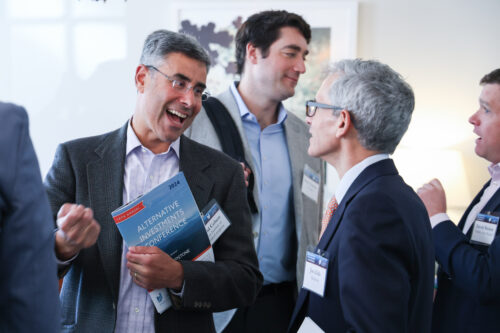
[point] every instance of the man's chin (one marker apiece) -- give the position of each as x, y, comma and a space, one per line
311, 152
287, 94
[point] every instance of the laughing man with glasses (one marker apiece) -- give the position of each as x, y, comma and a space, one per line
106, 284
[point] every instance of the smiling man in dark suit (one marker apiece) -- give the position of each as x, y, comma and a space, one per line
468, 288
373, 268
105, 289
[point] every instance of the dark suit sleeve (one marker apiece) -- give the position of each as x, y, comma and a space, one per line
60, 181
28, 282
475, 272
373, 262
234, 279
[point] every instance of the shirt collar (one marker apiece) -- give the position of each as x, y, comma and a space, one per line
133, 142
244, 112
494, 170
353, 173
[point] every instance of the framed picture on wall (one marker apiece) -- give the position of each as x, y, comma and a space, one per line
214, 24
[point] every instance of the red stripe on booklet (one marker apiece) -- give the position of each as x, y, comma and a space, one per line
129, 213
202, 253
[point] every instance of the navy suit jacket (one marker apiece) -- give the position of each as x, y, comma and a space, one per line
381, 260
468, 295
89, 171
28, 279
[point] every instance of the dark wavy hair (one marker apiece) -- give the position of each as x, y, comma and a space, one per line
263, 29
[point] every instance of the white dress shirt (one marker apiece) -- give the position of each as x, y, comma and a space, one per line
353, 173
143, 171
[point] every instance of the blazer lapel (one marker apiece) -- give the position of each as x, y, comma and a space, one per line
296, 146
105, 177
472, 204
381, 168
494, 204
491, 206
193, 164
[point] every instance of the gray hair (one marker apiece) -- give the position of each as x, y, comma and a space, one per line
379, 101
162, 42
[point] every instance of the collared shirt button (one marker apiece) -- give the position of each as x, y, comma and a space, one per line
137, 310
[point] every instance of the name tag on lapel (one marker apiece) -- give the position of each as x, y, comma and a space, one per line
216, 221
485, 229
310, 183
315, 271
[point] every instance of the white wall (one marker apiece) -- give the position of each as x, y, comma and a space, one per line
71, 63
442, 48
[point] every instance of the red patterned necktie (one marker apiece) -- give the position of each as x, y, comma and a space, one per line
332, 206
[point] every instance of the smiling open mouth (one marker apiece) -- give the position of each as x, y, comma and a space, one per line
176, 115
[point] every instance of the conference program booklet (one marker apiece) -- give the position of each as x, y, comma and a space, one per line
166, 217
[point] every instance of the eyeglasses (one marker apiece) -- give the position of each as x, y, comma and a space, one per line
312, 106
183, 86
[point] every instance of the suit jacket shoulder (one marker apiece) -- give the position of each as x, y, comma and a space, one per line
28, 285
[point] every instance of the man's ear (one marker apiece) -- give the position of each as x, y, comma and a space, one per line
252, 53
140, 77
344, 123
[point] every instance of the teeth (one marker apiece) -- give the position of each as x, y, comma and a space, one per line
178, 114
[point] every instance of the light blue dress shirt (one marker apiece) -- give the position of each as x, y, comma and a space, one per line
143, 171
276, 248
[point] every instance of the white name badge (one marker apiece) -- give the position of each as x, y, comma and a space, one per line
315, 272
485, 229
310, 183
309, 326
161, 300
216, 222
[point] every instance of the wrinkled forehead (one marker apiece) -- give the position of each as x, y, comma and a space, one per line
184, 67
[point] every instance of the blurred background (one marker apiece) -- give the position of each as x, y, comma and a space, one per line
71, 64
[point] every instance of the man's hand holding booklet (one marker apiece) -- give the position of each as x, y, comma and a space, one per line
167, 217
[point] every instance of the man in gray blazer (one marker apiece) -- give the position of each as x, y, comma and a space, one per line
271, 47
28, 282
105, 288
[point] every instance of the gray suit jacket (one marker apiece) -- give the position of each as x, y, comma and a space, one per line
90, 171
307, 212
28, 279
